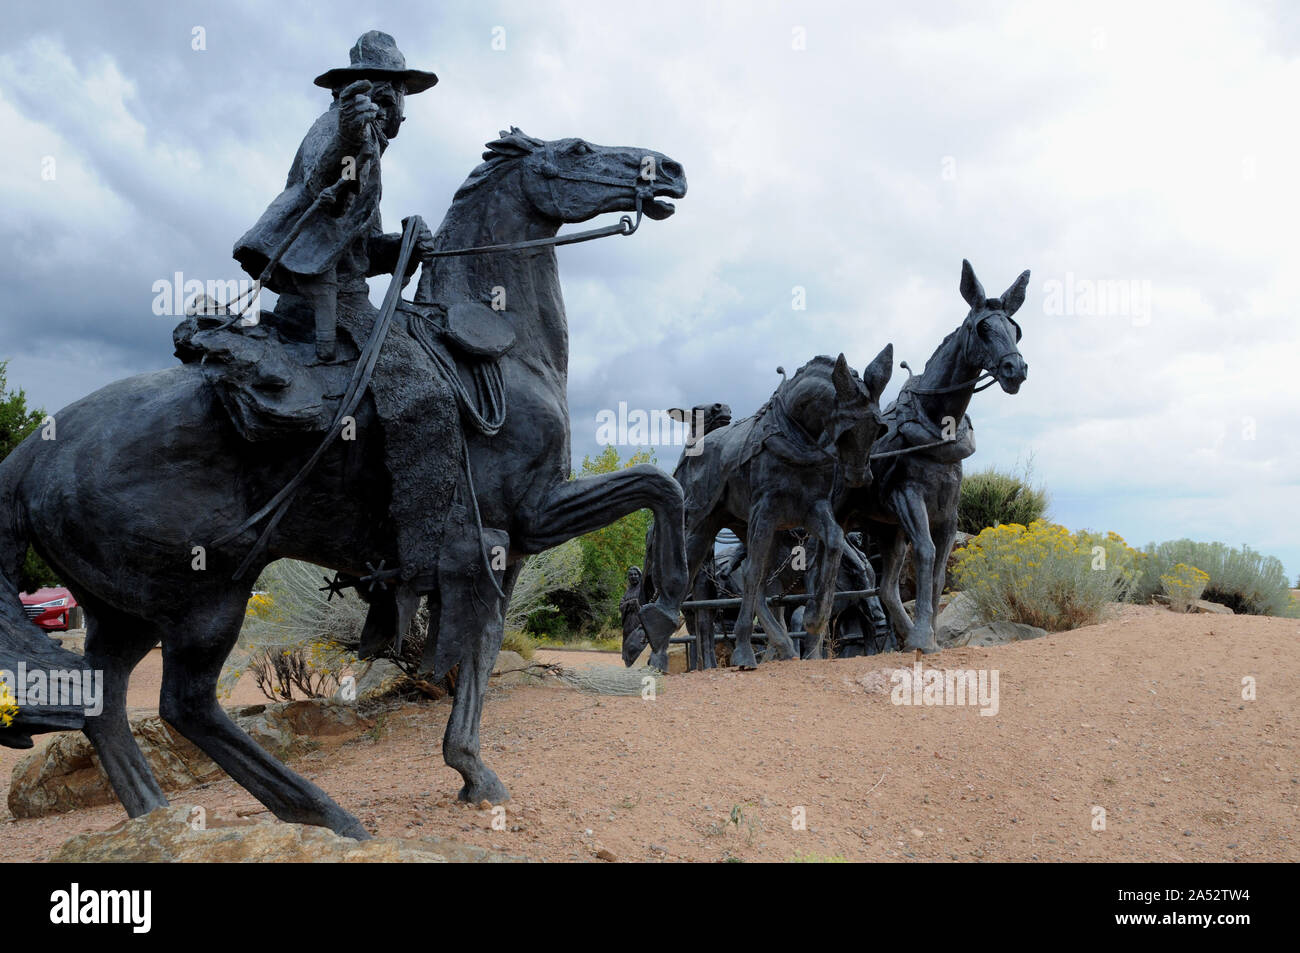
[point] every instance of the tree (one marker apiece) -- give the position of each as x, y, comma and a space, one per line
17, 422
606, 554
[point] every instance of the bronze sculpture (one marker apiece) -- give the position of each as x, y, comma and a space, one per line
781, 469
149, 471
916, 462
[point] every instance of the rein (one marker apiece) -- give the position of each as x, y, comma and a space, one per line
641, 186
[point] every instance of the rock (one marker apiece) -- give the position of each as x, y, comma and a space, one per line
511, 668
677, 659
959, 617
65, 774
1000, 633
1204, 605
945, 600
381, 678
167, 836
606, 854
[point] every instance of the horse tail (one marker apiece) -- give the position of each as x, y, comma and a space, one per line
649, 586
24, 647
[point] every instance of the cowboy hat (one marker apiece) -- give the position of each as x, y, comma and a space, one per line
376, 56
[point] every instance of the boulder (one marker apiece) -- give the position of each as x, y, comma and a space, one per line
511, 668
678, 659
957, 618
1000, 633
180, 834
1218, 608
382, 677
65, 773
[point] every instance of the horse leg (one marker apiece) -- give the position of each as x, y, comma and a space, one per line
708, 649
115, 645
699, 548
914, 520
943, 538
581, 506
758, 558
831, 543
893, 550
192, 658
460, 743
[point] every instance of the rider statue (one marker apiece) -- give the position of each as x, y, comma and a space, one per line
337, 166
320, 239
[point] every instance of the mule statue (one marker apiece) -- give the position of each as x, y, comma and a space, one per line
858, 625
780, 470
917, 460
146, 472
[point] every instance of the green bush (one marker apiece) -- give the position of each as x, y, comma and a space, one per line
589, 604
1245, 581
992, 497
1044, 575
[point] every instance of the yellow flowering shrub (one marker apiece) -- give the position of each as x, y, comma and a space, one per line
8, 706
1044, 575
1183, 584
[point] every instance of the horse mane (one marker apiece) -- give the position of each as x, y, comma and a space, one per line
497, 155
787, 384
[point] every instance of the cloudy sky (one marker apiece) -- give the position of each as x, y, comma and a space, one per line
1140, 158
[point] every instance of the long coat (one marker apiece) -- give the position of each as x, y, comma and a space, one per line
330, 232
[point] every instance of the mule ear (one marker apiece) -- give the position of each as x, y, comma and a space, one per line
1014, 296
842, 378
679, 415
878, 372
971, 289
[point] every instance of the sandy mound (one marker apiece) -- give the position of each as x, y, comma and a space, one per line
1141, 717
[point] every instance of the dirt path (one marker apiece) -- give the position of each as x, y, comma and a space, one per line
1142, 717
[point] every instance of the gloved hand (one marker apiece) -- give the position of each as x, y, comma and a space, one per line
424, 246
356, 111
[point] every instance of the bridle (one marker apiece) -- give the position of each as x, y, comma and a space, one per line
642, 187
967, 330
983, 374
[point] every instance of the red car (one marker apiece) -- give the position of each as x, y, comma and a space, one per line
54, 610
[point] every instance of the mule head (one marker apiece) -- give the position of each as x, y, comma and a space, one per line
855, 422
701, 419
573, 180
992, 336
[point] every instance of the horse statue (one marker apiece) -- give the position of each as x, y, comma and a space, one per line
147, 470
779, 470
916, 463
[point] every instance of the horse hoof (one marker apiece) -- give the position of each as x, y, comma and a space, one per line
351, 827
744, 659
488, 788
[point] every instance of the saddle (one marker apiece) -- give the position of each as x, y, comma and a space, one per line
271, 385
